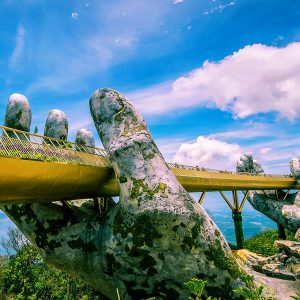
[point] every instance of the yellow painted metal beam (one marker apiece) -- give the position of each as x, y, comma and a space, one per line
227, 200
24, 181
243, 201
201, 198
195, 181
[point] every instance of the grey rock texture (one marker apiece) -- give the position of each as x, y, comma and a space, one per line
18, 114
277, 270
85, 137
285, 264
290, 247
295, 167
276, 288
276, 273
286, 213
148, 244
56, 125
247, 164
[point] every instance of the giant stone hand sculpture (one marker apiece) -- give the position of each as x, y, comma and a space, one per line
148, 244
285, 212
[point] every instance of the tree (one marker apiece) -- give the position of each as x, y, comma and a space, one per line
25, 276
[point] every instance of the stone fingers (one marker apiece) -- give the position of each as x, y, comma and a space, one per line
142, 173
38, 221
285, 213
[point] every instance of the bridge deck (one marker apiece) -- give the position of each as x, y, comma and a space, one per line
40, 169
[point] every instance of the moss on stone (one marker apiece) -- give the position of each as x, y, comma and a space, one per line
18, 115
122, 179
149, 156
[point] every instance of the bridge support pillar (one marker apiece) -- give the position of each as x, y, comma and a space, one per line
236, 209
238, 226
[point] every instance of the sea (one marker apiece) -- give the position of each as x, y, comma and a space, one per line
254, 222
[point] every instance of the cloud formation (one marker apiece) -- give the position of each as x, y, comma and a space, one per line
74, 15
255, 79
265, 150
19, 47
210, 153
219, 8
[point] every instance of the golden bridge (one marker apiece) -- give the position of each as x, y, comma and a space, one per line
36, 168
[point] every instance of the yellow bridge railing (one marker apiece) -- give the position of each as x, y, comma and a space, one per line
25, 145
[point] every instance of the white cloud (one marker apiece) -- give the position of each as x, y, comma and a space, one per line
19, 48
220, 8
267, 143
210, 153
255, 79
178, 1
74, 15
265, 150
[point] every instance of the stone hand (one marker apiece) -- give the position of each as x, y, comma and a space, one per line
285, 210
149, 243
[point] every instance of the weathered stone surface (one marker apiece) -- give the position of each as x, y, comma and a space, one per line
56, 125
268, 271
295, 268
247, 164
284, 265
295, 167
277, 270
285, 213
291, 247
248, 258
85, 138
275, 288
148, 244
18, 114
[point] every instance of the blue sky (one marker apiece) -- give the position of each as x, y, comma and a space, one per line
227, 71
213, 78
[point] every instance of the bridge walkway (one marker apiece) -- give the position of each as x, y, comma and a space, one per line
36, 168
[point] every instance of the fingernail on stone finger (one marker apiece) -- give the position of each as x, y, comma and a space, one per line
56, 125
85, 137
18, 114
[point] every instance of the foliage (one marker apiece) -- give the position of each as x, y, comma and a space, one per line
250, 291
263, 243
196, 287
24, 275
247, 292
15, 241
